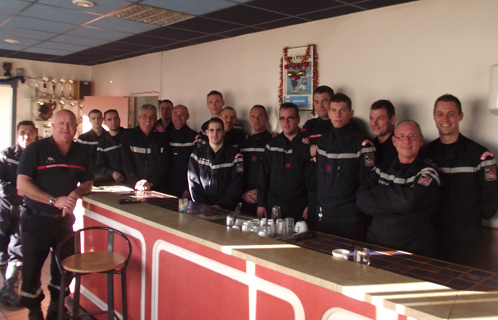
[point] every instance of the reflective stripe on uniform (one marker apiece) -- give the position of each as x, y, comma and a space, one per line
277, 149
13, 161
205, 162
32, 296
87, 142
142, 150
108, 149
252, 150
468, 169
176, 144
345, 155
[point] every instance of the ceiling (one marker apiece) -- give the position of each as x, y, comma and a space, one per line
59, 31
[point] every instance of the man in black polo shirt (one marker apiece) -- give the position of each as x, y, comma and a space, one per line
48, 175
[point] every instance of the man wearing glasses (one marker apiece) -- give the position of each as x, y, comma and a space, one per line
470, 188
402, 197
281, 179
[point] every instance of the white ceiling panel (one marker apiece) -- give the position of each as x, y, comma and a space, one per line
37, 24
65, 38
101, 6
195, 7
13, 6
15, 33
95, 33
55, 52
51, 13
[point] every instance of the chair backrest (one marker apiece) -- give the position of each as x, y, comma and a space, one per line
91, 237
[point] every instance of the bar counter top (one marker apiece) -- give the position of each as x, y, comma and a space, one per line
380, 284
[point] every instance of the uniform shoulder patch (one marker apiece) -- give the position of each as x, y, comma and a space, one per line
486, 154
424, 180
490, 173
369, 159
367, 142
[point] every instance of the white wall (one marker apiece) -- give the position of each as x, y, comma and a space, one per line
409, 53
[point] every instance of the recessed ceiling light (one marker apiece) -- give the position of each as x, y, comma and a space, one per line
83, 3
12, 41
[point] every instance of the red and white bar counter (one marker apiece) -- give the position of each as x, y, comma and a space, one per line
183, 267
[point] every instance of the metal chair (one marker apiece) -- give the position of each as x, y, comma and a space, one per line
106, 261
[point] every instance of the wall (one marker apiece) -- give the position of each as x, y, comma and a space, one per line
409, 53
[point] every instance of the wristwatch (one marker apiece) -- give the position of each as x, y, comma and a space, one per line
52, 201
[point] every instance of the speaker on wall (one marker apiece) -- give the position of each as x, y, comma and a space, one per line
82, 89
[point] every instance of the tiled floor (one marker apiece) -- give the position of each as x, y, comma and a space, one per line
13, 313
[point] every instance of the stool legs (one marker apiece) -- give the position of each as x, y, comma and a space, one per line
76, 296
124, 294
62, 295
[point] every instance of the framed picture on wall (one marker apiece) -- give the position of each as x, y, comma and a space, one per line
298, 75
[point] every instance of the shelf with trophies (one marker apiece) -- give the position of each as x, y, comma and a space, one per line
52, 95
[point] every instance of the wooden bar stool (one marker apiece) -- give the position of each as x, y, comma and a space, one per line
99, 260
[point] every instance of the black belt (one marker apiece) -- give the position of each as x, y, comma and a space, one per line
44, 214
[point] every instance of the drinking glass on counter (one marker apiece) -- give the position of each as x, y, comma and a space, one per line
276, 213
288, 226
279, 227
182, 205
361, 255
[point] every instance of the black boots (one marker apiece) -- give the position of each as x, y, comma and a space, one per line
53, 311
9, 294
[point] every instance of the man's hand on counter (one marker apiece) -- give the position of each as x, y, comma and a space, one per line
261, 212
143, 185
118, 177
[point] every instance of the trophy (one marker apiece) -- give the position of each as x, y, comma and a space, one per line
54, 83
44, 92
62, 103
70, 89
37, 88
63, 82
7, 67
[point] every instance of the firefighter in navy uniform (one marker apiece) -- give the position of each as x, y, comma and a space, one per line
144, 153
312, 130
109, 148
470, 186
344, 157
182, 141
52, 174
253, 150
91, 138
382, 119
281, 179
10, 201
215, 170
233, 136
402, 197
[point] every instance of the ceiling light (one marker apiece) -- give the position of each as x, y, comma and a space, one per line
12, 41
151, 15
83, 3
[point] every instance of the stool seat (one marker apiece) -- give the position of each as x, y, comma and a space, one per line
101, 254
94, 261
